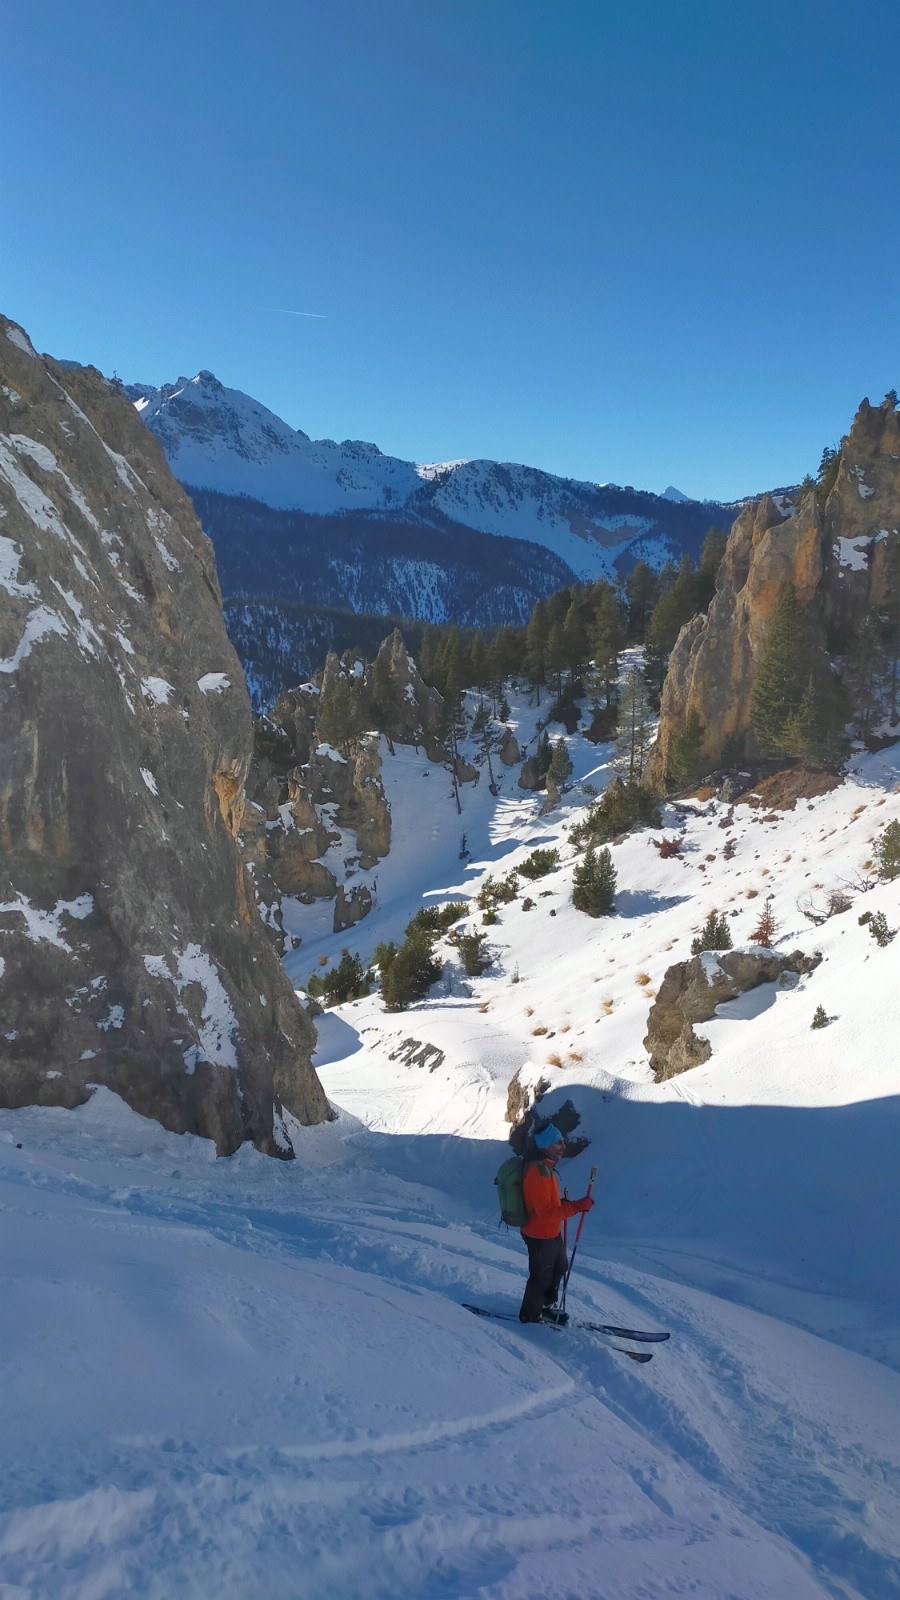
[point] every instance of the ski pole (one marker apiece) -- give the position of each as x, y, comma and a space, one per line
577, 1237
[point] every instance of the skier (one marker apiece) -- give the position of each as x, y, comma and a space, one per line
542, 1232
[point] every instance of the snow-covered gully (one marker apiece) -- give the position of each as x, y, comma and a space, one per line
243, 1377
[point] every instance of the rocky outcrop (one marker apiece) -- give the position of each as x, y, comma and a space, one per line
833, 553
509, 751
131, 950
351, 908
553, 795
305, 799
862, 512
409, 710
691, 991
350, 788
293, 720
530, 777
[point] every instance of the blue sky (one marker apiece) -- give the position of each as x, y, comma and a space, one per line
652, 242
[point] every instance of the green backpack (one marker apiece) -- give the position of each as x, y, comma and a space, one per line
509, 1192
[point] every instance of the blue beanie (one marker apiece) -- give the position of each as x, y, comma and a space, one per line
547, 1136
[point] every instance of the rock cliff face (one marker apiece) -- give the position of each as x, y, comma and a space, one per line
315, 814
131, 952
833, 553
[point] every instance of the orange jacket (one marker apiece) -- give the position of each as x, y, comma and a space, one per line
546, 1210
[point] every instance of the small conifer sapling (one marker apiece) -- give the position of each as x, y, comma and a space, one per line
766, 930
714, 935
594, 884
887, 852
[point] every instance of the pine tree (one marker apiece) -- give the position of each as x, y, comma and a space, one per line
881, 933
710, 562
826, 477
561, 766
480, 662
865, 669
507, 652
383, 694
685, 754
714, 935
452, 729
605, 644
556, 655
766, 930
450, 664
339, 719
642, 592
347, 981
594, 884
576, 634
654, 673
428, 653
536, 635
812, 730
407, 971
543, 754
674, 608
889, 611
887, 852
635, 734
782, 673
486, 736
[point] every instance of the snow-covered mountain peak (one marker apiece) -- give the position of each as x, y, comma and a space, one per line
437, 471
221, 439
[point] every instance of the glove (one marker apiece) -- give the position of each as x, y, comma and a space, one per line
583, 1205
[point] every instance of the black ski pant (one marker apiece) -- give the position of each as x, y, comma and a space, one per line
546, 1269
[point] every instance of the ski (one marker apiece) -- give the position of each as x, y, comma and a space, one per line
606, 1329
639, 1334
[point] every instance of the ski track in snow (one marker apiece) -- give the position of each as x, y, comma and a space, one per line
248, 1377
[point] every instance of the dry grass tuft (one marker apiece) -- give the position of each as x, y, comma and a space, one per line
323, 961
537, 1031
485, 1005
553, 1060
575, 1055
529, 1011
751, 894
643, 978
608, 1005
566, 1028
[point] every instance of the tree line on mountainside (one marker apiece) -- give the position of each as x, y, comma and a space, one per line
814, 689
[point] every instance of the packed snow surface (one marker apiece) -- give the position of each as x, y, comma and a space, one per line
243, 1378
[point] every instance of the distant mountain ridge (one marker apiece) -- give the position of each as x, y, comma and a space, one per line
221, 440
309, 530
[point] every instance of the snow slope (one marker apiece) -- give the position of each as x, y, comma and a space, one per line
239, 1378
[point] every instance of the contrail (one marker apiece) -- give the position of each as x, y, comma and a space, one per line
322, 315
